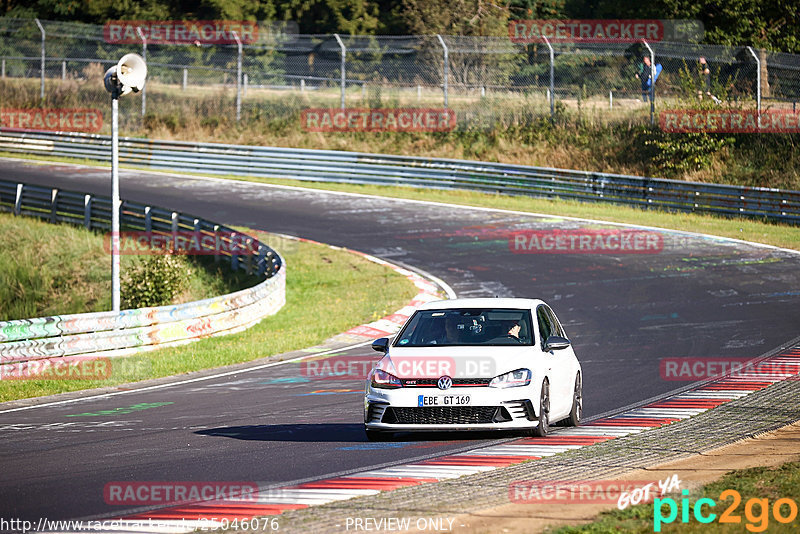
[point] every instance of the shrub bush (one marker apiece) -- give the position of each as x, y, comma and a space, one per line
155, 281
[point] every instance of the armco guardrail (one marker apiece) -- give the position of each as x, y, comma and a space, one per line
112, 334
359, 168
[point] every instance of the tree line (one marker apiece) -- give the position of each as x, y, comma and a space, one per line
769, 24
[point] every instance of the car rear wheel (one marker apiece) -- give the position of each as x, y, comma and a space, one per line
574, 418
544, 411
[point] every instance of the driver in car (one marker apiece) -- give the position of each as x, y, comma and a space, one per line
514, 329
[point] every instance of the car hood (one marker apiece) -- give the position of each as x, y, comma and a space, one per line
457, 362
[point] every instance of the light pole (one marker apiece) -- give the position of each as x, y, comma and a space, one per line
127, 75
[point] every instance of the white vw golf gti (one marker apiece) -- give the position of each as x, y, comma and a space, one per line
475, 364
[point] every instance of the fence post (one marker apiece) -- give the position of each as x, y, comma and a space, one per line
144, 57
53, 205
445, 69
18, 200
758, 82
63, 70
652, 83
4, 68
185, 78
41, 29
87, 211
238, 77
552, 92
244, 84
343, 83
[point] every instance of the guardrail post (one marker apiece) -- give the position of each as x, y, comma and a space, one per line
87, 211
652, 83
445, 69
552, 92
174, 223
758, 82
249, 256
261, 264
41, 29
343, 82
238, 77
148, 219
217, 244
18, 200
53, 205
234, 258
144, 57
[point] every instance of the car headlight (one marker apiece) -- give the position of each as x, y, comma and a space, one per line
520, 377
383, 380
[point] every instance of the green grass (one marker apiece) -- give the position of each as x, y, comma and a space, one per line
58, 269
328, 291
756, 483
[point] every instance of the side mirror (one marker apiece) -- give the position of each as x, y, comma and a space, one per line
554, 343
381, 344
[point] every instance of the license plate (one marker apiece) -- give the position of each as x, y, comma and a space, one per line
443, 400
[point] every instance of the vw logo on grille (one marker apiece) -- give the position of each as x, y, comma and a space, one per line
445, 382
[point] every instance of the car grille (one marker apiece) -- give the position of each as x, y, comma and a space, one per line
457, 382
446, 415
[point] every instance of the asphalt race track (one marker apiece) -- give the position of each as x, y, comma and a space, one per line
695, 297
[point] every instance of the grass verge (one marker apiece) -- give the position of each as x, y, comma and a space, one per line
327, 291
59, 269
764, 485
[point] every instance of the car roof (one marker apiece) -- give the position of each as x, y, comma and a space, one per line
513, 303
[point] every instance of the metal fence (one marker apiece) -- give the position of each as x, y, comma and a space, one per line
135, 330
481, 78
360, 168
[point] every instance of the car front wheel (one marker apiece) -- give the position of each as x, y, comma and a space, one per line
574, 418
544, 411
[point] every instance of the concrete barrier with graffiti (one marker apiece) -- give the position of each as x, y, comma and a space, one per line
130, 331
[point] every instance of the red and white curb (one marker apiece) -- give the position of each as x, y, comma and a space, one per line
271, 502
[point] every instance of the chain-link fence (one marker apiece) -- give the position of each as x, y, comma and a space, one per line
482, 79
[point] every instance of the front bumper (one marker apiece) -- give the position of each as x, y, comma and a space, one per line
488, 409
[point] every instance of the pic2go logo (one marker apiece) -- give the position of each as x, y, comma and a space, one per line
756, 511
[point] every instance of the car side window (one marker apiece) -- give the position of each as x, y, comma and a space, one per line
544, 325
557, 329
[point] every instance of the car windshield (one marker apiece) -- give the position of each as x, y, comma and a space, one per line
495, 326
